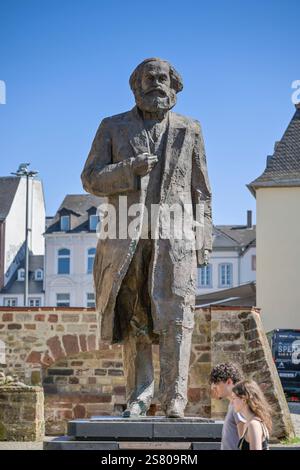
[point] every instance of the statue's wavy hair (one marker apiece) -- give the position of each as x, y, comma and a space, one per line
135, 77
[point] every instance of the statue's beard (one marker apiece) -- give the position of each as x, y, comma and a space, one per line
161, 100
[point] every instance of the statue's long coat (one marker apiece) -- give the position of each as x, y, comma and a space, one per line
108, 172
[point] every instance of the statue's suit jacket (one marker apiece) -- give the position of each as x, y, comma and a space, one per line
108, 172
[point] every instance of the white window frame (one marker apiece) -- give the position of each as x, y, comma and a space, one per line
91, 217
61, 301
209, 284
59, 256
91, 300
90, 255
226, 285
37, 301
21, 274
36, 277
62, 219
7, 301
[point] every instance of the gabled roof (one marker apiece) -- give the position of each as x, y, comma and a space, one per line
237, 235
221, 240
283, 167
34, 287
8, 189
78, 205
35, 262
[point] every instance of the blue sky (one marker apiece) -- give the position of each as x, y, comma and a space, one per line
66, 65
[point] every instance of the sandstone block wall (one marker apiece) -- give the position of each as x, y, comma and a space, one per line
82, 377
21, 414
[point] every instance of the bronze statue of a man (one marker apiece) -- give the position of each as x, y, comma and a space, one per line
145, 285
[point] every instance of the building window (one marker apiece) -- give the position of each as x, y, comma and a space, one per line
225, 275
94, 219
253, 262
10, 302
63, 300
90, 299
21, 274
63, 261
90, 259
38, 275
34, 302
65, 223
205, 276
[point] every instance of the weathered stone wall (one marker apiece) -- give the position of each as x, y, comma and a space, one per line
37, 337
85, 385
60, 349
21, 414
237, 335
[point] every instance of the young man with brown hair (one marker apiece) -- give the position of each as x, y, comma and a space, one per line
223, 377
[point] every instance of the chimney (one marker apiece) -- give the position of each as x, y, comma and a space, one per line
249, 219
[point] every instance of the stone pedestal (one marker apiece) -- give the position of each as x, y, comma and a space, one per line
109, 433
21, 414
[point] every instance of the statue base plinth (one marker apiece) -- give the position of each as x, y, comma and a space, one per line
112, 433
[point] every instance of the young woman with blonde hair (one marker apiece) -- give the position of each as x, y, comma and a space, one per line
249, 400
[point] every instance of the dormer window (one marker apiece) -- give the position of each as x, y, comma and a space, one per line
64, 223
38, 275
94, 219
21, 274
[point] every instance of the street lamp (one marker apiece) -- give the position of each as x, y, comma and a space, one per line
23, 171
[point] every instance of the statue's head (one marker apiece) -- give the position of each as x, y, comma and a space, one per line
155, 84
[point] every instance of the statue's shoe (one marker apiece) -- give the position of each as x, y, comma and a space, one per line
175, 409
135, 409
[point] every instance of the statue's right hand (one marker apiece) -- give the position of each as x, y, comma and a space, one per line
144, 163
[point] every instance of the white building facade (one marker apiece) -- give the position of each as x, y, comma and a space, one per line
277, 193
12, 239
68, 266
70, 247
233, 260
